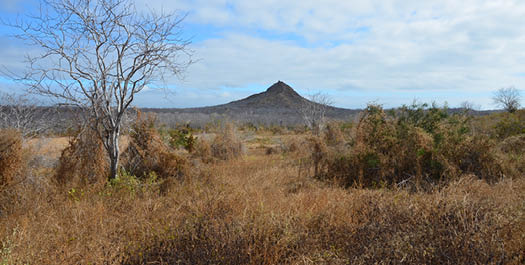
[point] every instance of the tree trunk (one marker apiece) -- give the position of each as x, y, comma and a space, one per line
114, 153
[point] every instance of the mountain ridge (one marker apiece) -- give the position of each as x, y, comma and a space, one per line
278, 98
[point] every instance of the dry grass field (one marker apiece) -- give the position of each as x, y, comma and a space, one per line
263, 197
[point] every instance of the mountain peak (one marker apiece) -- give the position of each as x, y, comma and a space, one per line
280, 87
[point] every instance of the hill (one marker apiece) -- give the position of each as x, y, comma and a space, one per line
280, 104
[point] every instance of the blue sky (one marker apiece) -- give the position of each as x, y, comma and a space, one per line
387, 51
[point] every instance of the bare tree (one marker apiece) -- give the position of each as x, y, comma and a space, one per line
314, 111
24, 114
507, 98
469, 107
98, 54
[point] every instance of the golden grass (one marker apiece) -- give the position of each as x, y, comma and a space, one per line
260, 210
52, 147
268, 205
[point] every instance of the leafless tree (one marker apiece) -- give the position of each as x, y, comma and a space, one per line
314, 111
98, 54
469, 107
507, 98
24, 114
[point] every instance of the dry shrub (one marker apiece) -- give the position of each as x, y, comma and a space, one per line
246, 214
319, 154
227, 144
429, 148
513, 154
83, 161
210, 239
514, 144
291, 145
473, 155
272, 150
333, 135
148, 153
12, 161
203, 150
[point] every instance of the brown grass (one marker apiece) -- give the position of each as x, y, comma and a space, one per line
12, 161
263, 209
261, 212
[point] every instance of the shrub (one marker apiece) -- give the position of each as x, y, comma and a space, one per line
182, 136
513, 155
514, 144
333, 134
319, 154
417, 145
84, 160
11, 156
421, 115
511, 124
227, 144
203, 151
291, 145
147, 152
271, 150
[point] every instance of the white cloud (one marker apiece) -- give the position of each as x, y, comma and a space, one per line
386, 49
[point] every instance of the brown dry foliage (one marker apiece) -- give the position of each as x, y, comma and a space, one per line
513, 155
227, 144
333, 135
319, 154
514, 144
291, 145
202, 150
260, 211
272, 150
247, 214
83, 161
148, 153
387, 152
12, 160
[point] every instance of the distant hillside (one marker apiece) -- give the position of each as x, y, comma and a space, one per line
280, 104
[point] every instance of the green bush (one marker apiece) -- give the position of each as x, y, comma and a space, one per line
418, 143
183, 137
511, 124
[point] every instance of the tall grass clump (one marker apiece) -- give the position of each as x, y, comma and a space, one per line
147, 153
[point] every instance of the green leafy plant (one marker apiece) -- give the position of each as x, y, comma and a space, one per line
183, 136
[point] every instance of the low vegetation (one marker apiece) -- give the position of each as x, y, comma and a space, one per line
416, 185
420, 144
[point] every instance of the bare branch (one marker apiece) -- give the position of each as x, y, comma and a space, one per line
97, 54
314, 111
24, 114
507, 98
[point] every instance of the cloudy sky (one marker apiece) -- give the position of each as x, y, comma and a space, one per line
387, 51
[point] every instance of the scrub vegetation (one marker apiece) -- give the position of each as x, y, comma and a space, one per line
414, 185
